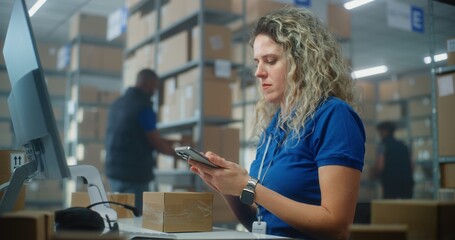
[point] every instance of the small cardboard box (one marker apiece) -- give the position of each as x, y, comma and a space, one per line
78, 235
378, 231
446, 115
451, 52
88, 25
27, 225
178, 211
425, 219
81, 199
447, 175
5, 176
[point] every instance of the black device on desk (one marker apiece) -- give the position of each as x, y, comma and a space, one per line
85, 219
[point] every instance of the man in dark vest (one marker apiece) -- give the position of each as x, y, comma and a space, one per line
394, 164
132, 138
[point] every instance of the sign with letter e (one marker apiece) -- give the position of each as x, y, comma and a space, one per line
406, 17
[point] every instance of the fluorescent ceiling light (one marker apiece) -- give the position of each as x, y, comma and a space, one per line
369, 71
437, 58
35, 7
356, 3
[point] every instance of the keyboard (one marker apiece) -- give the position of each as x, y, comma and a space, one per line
134, 232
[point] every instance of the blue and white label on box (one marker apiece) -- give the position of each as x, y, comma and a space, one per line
405, 17
302, 3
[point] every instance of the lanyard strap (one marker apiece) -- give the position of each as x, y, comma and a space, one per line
262, 162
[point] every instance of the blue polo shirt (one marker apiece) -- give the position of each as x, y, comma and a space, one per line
147, 120
334, 136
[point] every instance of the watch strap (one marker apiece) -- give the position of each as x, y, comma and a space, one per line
252, 183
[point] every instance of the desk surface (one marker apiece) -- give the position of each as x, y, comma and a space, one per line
217, 233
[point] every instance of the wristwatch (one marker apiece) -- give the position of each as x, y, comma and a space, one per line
247, 195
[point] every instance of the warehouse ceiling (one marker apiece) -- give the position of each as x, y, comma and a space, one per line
372, 43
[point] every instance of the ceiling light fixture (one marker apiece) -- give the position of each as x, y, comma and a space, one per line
369, 71
35, 7
437, 58
356, 3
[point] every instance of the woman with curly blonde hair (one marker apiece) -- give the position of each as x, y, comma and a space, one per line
305, 180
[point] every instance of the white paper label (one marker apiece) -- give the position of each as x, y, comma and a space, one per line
445, 85
222, 68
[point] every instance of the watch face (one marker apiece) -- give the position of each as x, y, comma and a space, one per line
247, 197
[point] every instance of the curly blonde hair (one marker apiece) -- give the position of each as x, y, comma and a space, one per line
316, 68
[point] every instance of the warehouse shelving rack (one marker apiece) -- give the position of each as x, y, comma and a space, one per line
194, 124
438, 159
79, 77
75, 79
435, 71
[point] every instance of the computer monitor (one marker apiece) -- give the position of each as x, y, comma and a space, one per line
30, 108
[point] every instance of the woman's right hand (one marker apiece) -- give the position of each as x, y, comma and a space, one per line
229, 178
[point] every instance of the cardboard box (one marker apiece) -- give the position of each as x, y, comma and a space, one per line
178, 211
131, 3
255, 8
339, 21
27, 225
86, 236
370, 151
107, 97
425, 219
83, 24
451, 52
141, 25
389, 112
367, 91
389, 90
103, 113
224, 141
217, 42
87, 119
419, 107
56, 86
172, 12
370, 131
173, 52
213, 91
415, 86
5, 85
45, 191
422, 149
378, 231
87, 94
445, 114
367, 111
81, 199
96, 57
177, 10
140, 59
48, 55
92, 154
5, 176
421, 128
4, 109
447, 175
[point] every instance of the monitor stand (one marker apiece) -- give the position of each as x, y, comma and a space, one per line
95, 189
14, 186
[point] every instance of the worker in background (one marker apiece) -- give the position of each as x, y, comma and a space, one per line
393, 165
304, 182
132, 138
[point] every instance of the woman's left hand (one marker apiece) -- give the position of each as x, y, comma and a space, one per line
229, 178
